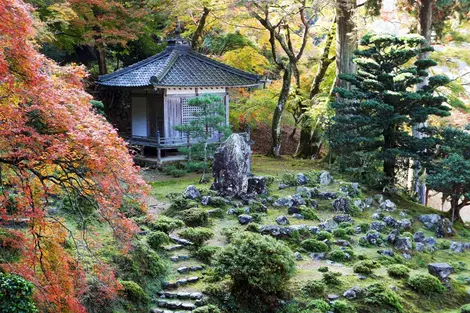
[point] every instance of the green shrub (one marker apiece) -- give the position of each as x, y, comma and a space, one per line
459, 266
195, 217
166, 224
379, 298
197, 235
365, 266
255, 261
205, 254
320, 305
135, 294
323, 269
308, 213
253, 227
398, 271
217, 212
364, 227
332, 278
217, 201
340, 233
157, 239
345, 225
229, 232
314, 288
443, 244
465, 308
322, 235
132, 208
340, 306
337, 256
350, 230
207, 309
312, 245
426, 284
289, 179
16, 294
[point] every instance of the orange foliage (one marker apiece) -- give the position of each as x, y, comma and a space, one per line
52, 143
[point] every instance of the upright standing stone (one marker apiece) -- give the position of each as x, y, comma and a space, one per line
231, 166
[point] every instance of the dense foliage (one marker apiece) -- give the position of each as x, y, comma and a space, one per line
16, 295
371, 128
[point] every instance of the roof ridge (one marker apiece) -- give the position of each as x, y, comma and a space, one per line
223, 66
131, 67
168, 64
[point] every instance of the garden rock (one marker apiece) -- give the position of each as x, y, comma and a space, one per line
245, 219
304, 192
419, 236
404, 224
430, 241
231, 166
325, 178
403, 243
440, 270
282, 220
298, 216
376, 216
205, 200
257, 185
191, 192
352, 293
302, 179
328, 225
283, 186
317, 256
386, 252
343, 218
377, 226
457, 247
388, 206
429, 220
284, 202
293, 210
419, 247
390, 221
327, 195
298, 256
373, 238
341, 204
444, 228
392, 236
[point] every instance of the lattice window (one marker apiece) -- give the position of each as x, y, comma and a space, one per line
188, 111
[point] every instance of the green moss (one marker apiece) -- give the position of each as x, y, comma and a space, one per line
332, 278
322, 235
425, 284
398, 271
314, 288
194, 217
197, 235
337, 256
135, 294
319, 305
365, 266
312, 245
157, 239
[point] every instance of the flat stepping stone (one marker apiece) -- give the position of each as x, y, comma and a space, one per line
180, 241
180, 282
179, 258
175, 247
187, 269
176, 305
180, 295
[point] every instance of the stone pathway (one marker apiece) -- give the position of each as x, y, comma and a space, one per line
180, 294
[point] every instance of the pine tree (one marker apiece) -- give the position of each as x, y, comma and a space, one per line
373, 121
208, 121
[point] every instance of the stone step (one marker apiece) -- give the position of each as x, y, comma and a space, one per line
179, 258
187, 269
175, 247
180, 295
157, 310
180, 282
176, 305
180, 241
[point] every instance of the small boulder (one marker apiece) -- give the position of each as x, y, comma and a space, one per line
429, 220
386, 252
293, 210
419, 236
419, 246
282, 220
284, 202
377, 225
327, 195
376, 216
390, 221
403, 243
298, 216
283, 186
298, 256
457, 247
325, 178
245, 219
305, 192
341, 204
257, 185
205, 200
373, 238
302, 179
328, 225
404, 224
388, 206
191, 192
343, 218
440, 270
444, 228
392, 236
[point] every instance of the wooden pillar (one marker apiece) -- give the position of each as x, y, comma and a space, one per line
226, 107
159, 151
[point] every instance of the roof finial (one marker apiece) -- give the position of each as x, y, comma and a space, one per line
178, 30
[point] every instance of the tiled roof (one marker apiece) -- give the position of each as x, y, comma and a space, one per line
178, 66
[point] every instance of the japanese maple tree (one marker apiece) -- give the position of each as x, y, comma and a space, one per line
53, 145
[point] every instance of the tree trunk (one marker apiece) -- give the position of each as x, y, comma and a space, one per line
389, 161
278, 111
346, 40
200, 27
424, 28
309, 141
103, 69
